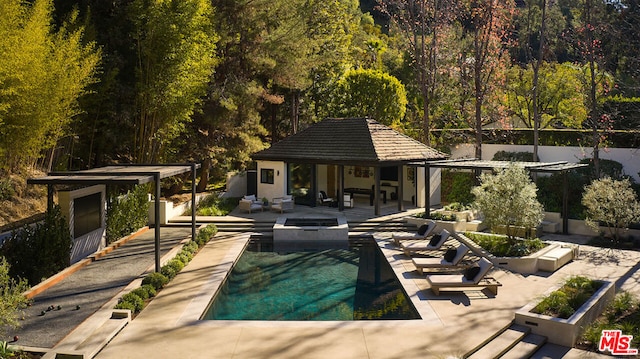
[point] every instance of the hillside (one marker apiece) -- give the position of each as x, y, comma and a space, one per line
26, 202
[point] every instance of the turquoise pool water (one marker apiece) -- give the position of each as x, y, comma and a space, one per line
354, 283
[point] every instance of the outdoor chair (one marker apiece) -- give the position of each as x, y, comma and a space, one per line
282, 203
324, 199
474, 277
435, 242
422, 233
249, 206
450, 259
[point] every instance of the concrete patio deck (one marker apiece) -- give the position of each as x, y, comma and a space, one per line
452, 324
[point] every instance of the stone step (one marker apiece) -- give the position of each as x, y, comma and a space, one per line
501, 343
526, 347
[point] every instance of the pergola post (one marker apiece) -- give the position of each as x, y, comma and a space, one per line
376, 190
340, 187
156, 178
427, 190
193, 201
565, 203
400, 193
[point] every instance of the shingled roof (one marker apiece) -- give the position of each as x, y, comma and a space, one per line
349, 141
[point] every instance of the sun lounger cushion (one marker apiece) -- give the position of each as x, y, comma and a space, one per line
450, 254
471, 272
423, 229
434, 240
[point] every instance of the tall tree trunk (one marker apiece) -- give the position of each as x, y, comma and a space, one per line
536, 75
204, 175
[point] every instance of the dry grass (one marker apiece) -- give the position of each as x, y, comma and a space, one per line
27, 202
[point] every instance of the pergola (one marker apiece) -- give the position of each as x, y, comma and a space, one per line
549, 167
125, 174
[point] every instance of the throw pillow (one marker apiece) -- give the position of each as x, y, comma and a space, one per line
434, 240
423, 229
471, 272
450, 254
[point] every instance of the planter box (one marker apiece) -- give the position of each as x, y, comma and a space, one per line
451, 226
565, 332
520, 231
549, 258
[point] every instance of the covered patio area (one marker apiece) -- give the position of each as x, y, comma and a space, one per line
346, 158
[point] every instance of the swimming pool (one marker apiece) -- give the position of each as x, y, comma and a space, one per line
328, 284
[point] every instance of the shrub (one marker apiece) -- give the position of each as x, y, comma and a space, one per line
513, 156
498, 245
11, 298
169, 272
41, 250
126, 305
157, 280
127, 213
205, 234
7, 190
563, 302
214, 205
456, 186
623, 313
151, 291
613, 203
135, 300
141, 292
508, 199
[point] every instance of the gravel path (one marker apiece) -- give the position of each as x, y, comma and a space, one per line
90, 288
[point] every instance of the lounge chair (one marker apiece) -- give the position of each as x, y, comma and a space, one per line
474, 277
435, 242
282, 203
450, 259
422, 233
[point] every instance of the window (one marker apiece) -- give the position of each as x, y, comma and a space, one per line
266, 176
86, 214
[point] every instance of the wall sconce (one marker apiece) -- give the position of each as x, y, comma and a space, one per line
277, 172
351, 170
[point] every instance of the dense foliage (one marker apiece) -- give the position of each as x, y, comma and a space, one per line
11, 298
41, 250
85, 83
127, 213
623, 313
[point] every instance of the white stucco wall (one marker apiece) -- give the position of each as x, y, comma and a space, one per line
279, 186
628, 157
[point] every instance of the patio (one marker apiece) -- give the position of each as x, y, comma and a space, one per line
170, 325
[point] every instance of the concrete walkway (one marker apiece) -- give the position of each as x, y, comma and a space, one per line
90, 288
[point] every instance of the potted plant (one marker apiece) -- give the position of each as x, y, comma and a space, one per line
265, 201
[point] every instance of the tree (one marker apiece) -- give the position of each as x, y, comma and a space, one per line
613, 203
42, 76
421, 22
560, 99
175, 44
589, 29
371, 93
487, 23
508, 198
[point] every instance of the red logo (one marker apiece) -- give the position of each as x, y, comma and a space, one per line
616, 343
